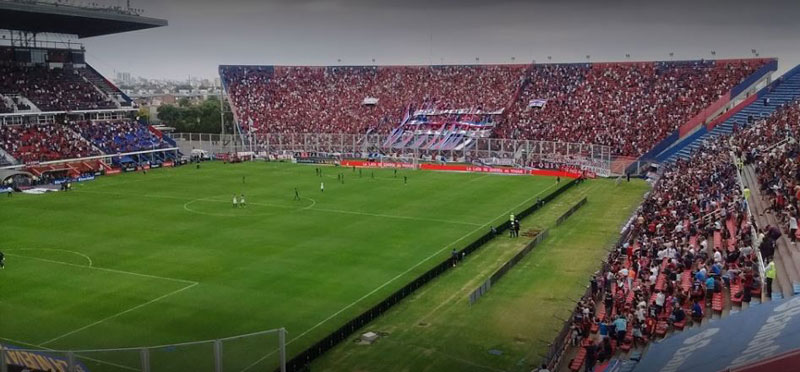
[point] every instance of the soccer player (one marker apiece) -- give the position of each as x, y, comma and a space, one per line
242, 179
322, 187
296, 194
242, 203
373, 175
405, 180
235, 201
2, 261
395, 173
359, 172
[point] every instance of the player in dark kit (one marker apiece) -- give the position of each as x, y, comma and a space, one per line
2, 261
296, 194
405, 180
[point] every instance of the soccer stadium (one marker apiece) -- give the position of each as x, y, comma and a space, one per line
629, 215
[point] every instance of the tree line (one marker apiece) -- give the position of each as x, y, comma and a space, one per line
202, 117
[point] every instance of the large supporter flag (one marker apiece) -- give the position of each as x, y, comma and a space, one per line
537, 103
761, 338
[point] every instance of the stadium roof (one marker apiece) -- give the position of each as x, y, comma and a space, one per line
761, 338
64, 19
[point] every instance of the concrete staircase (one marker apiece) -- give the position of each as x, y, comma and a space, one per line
787, 257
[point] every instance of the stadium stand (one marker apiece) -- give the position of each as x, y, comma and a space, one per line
57, 89
4, 107
35, 143
332, 99
690, 253
629, 106
120, 136
770, 153
693, 232
782, 91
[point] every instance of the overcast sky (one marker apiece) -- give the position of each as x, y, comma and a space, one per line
203, 33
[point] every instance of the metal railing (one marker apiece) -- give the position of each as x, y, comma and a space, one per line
596, 158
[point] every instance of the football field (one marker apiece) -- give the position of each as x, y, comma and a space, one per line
164, 257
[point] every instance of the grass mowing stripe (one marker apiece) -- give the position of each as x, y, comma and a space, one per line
502, 215
515, 314
309, 207
137, 307
281, 268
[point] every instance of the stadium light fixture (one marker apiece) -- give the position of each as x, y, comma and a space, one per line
549, 58
627, 55
713, 52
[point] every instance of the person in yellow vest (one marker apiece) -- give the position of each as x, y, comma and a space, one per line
740, 164
770, 274
746, 193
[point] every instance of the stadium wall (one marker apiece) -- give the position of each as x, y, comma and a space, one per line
302, 360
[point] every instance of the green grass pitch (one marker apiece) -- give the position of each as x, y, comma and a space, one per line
159, 258
508, 329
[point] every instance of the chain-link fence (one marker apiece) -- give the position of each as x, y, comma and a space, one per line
494, 151
260, 351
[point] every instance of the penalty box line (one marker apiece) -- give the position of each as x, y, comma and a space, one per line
399, 276
189, 284
137, 307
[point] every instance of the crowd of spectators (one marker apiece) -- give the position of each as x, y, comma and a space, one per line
119, 136
331, 99
56, 89
690, 240
772, 147
4, 107
35, 143
628, 106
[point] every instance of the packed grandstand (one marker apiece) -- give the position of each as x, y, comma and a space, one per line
715, 235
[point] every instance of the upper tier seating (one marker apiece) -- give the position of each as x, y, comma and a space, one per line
52, 89
628, 106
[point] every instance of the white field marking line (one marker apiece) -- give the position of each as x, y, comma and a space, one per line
400, 275
479, 177
119, 314
105, 269
23, 343
89, 259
